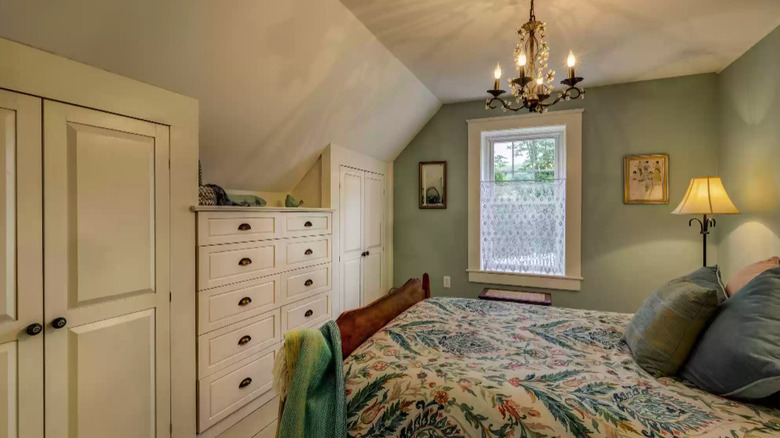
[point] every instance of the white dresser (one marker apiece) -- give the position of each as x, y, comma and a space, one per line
261, 272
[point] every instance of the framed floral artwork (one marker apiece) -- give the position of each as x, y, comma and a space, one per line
646, 179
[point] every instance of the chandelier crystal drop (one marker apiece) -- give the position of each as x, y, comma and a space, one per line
533, 87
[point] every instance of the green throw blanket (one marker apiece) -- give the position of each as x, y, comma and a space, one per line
312, 395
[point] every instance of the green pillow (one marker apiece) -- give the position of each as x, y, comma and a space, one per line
664, 330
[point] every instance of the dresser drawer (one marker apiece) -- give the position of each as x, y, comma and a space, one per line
226, 346
303, 283
228, 390
306, 313
306, 252
225, 305
234, 227
225, 264
306, 224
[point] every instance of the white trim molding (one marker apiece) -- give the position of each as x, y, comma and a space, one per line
479, 132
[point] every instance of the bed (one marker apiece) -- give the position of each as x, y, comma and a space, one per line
449, 367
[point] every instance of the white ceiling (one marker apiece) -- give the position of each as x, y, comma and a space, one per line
453, 45
277, 80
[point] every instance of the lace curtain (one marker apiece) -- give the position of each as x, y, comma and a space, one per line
523, 227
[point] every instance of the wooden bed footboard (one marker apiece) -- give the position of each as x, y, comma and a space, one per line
357, 325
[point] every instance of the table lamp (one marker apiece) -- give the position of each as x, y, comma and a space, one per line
705, 196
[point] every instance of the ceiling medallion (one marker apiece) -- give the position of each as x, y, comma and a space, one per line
534, 85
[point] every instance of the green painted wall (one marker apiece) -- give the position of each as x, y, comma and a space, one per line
628, 251
749, 158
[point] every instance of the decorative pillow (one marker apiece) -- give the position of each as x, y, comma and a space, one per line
709, 277
739, 354
663, 331
744, 275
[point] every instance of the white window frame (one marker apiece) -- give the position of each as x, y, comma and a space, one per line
482, 133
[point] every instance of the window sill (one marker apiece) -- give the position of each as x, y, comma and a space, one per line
529, 280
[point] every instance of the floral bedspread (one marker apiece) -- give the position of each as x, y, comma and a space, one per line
452, 367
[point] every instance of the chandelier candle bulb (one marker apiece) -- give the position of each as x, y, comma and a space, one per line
497, 74
571, 61
521, 61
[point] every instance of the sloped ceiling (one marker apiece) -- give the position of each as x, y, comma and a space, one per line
277, 80
453, 45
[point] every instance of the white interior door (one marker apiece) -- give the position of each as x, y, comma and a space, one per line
21, 276
350, 232
106, 284
373, 236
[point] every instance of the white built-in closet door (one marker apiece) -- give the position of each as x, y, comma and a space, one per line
106, 275
351, 220
373, 236
21, 277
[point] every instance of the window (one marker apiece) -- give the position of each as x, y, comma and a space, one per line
525, 158
524, 201
523, 208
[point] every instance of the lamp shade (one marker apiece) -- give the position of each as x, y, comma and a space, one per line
706, 196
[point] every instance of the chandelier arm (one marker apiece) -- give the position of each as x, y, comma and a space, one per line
563, 95
504, 104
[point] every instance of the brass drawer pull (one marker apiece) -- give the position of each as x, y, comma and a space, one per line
244, 227
245, 261
244, 383
244, 301
244, 340
308, 313
308, 224
308, 283
308, 252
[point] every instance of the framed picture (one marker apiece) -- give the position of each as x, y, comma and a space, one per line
646, 179
433, 184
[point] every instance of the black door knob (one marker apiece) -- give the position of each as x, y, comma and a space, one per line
34, 329
59, 323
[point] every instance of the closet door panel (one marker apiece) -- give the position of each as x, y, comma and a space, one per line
106, 273
111, 204
8, 390
21, 285
351, 235
112, 390
9, 300
373, 236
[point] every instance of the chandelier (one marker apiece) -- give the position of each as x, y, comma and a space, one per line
533, 86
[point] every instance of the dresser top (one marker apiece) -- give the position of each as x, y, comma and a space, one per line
223, 208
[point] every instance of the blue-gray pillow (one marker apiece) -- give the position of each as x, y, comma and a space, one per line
709, 277
663, 331
739, 354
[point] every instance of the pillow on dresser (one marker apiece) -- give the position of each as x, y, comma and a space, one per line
663, 331
739, 354
744, 275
